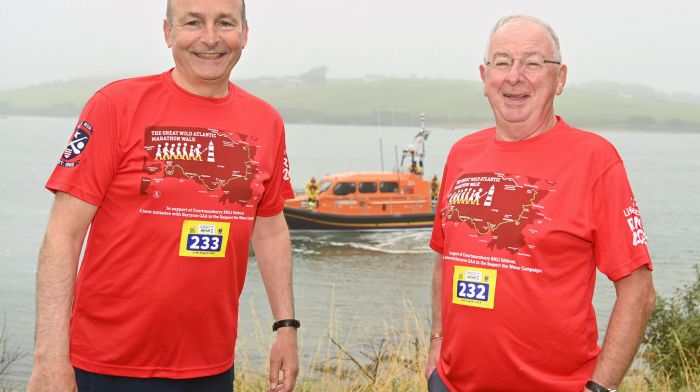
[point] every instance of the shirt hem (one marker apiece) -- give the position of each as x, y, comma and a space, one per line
74, 191
444, 380
267, 212
147, 372
630, 267
434, 246
272, 211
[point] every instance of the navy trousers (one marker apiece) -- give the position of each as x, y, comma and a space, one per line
93, 382
435, 383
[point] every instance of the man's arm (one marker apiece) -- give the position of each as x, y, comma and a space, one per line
274, 255
58, 263
435, 342
634, 304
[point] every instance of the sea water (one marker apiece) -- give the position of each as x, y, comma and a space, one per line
353, 286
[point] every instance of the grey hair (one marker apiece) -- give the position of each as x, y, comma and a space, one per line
519, 17
169, 11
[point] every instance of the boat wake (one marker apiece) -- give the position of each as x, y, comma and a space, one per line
388, 242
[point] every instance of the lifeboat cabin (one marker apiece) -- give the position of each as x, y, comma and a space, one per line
364, 201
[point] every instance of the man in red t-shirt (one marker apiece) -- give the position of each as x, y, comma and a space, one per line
174, 175
527, 211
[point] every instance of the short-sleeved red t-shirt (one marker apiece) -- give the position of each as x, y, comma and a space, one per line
522, 227
178, 179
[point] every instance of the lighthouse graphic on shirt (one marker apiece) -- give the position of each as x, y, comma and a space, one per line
497, 205
216, 160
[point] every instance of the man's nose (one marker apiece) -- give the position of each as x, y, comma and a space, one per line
515, 73
210, 36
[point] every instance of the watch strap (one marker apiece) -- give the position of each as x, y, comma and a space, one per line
595, 387
285, 323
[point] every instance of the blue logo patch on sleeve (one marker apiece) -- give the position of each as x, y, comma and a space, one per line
76, 145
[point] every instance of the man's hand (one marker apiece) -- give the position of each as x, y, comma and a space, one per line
284, 359
433, 356
54, 377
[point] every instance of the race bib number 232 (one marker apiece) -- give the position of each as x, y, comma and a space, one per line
474, 287
204, 239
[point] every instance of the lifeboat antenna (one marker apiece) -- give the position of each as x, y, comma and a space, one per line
420, 139
396, 157
416, 151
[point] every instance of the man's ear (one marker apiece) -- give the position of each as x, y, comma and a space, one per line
167, 33
562, 79
482, 73
244, 41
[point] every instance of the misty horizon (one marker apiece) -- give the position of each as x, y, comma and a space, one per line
622, 42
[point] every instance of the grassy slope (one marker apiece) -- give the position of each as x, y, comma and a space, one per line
387, 101
438, 97
50, 95
609, 109
463, 102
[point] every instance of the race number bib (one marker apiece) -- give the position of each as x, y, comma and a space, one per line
204, 239
474, 287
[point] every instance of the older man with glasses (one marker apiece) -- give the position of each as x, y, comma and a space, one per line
528, 210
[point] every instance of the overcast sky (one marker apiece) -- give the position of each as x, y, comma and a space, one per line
631, 41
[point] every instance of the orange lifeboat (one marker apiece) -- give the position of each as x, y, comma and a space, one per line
365, 201
368, 200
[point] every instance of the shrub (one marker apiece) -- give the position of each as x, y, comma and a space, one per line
673, 338
9, 354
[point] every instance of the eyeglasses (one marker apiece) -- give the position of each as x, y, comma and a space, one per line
532, 63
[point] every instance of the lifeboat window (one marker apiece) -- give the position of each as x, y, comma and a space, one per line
368, 187
344, 188
324, 186
389, 187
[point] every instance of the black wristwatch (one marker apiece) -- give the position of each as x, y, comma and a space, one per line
285, 323
595, 387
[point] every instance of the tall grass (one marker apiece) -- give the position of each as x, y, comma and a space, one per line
395, 361
392, 362
349, 358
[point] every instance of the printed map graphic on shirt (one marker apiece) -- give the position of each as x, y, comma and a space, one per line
501, 205
217, 161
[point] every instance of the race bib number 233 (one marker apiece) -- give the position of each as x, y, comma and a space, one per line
204, 239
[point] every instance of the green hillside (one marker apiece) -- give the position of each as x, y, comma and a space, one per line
49, 99
383, 101
590, 109
392, 101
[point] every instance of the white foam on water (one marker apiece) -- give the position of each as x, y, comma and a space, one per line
366, 246
389, 242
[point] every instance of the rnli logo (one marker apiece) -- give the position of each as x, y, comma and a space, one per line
76, 145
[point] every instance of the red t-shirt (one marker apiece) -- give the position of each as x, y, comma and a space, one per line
178, 179
522, 227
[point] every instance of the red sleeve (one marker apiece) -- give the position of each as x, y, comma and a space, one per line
437, 240
278, 187
620, 244
91, 158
